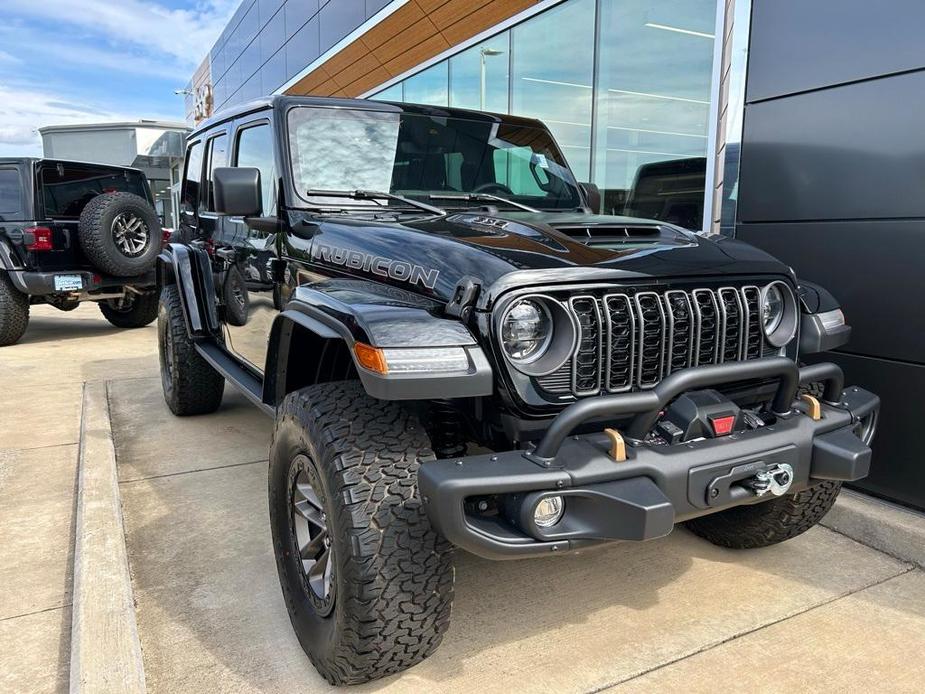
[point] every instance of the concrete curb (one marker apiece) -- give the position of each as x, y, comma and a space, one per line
892, 529
105, 649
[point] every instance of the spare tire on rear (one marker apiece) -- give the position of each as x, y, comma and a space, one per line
120, 234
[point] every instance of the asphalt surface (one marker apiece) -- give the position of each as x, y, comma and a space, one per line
821, 612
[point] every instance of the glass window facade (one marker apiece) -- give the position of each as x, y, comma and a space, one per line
624, 85
480, 76
429, 86
553, 70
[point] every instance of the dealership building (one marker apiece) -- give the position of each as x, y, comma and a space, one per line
790, 124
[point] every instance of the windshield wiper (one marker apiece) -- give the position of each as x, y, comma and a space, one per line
374, 195
483, 197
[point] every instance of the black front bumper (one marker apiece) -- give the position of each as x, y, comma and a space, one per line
643, 497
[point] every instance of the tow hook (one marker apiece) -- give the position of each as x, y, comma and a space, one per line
776, 479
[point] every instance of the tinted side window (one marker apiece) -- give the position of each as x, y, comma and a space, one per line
218, 157
192, 176
10, 193
255, 148
66, 189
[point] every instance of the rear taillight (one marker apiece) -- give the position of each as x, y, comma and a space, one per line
41, 239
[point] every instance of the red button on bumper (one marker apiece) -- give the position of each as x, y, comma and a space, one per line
722, 425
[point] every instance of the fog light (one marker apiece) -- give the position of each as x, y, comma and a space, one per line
548, 511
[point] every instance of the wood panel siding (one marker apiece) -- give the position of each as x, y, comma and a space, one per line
413, 34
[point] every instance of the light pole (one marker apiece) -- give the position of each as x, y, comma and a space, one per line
484, 53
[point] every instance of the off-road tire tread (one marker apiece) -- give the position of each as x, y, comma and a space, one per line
816, 389
400, 571
14, 312
769, 522
91, 233
197, 387
143, 312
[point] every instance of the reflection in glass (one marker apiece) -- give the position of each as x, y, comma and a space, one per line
342, 150
255, 148
653, 91
428, 86
393, 93
218, 157
735, 109
192, 173
418, 156
480, 75
552, 75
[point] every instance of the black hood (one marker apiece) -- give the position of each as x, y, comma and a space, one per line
516, 249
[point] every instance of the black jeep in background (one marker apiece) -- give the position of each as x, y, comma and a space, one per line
73, 232
457, 350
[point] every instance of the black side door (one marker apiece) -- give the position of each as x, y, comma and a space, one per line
250, 292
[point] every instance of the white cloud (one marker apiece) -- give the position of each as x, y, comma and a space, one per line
143, 38
22, 40
23, 112
9, 59
178, 37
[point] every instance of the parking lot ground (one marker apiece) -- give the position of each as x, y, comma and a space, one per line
819, 612
40, 401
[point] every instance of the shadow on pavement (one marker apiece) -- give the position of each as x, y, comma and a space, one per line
46, 327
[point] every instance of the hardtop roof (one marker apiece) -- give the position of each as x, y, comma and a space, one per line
282, 102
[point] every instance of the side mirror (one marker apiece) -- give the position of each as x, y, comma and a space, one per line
592, 195
237, 191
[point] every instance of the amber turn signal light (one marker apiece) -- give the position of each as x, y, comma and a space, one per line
371, 358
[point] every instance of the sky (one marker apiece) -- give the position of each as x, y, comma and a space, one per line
87, 61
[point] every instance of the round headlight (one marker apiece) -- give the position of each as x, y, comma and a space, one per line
772, 308
526, 331
779, 314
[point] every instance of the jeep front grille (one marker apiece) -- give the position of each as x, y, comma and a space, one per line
630, 341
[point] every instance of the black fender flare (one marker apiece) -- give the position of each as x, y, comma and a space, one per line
816, 333
191, 270
328, 318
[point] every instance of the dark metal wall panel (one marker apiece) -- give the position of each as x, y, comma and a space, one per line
832, 180
897, 470
850, 152
876, 269
798, 45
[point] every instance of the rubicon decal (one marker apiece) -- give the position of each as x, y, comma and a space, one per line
384, 267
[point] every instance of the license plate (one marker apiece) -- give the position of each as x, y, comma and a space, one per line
68, 283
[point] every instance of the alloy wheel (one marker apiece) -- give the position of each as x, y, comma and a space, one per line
130, 234
311, 535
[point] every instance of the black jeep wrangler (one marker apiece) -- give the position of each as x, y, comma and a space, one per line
458, 352
71, 232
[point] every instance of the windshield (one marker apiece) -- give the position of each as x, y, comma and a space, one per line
426, 158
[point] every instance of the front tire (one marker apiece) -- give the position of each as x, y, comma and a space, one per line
389, 575
14, 312
769, 522
134, 311
191, 386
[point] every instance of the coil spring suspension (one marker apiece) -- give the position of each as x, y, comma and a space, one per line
447, 437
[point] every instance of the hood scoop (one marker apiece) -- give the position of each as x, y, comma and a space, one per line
611, 233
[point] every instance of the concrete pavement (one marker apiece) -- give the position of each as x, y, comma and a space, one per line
40, 401
820, 612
